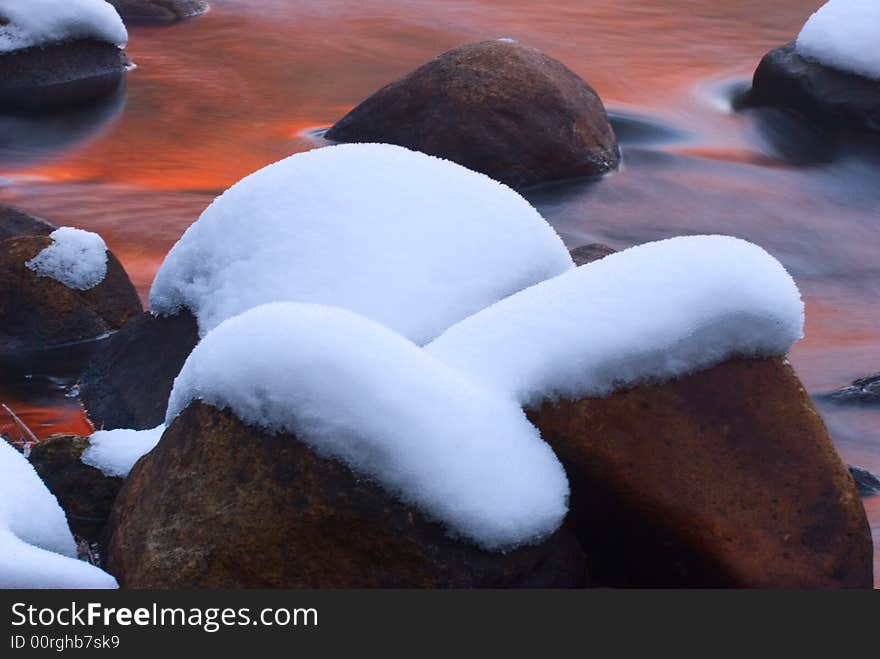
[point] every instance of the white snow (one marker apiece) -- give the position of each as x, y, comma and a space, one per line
647, 314
414, 242
42, 22
37, 549
844, 34
114, 452
360, 393
76, 258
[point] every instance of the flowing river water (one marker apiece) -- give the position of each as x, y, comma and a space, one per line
216, 98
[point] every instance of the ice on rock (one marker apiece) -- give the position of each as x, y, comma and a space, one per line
360, 393
114, 452
37, 549
414, 242
844, 34
76, 258
30, 23
647, 314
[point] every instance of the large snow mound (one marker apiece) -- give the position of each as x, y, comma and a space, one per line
414, 242
37, 549
362, 394
843, 34
115, 452
647, 314
76, 258
32, 23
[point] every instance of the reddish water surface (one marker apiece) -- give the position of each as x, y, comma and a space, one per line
219, 97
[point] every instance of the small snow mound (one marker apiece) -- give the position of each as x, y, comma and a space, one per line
357, 392
843, 34
37, 549
414, 242
115, 452
76, 258
647, 314
31, 23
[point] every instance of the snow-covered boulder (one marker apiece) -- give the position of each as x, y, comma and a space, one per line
657, 374
158, 12
58, 294
831, 73
497, 107
304, 440
37, 549
56, 53
408, 240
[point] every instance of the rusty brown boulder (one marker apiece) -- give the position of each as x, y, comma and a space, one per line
83, 491
496, 107
43, 322
15, 223
158, 12
219, 504
726, 477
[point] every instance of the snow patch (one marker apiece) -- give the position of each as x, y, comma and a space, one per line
42, 22
37, 549
843, 34
362, 394
647, 314
414, 242
115, 452
76, 258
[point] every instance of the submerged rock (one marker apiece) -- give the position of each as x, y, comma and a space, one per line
49, 78
84, 492
496, 107
726, 477
219, 504
839, 100
46, 327
128, 380
158, 12
589, 253
15, 223
867, 483
863, 390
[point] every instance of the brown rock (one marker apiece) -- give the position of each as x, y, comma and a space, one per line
43, 321
128, 380
589, 253
158, 12
218, 504
723, 478
59, 75
15, 223
84, 492
835, 99
496, 107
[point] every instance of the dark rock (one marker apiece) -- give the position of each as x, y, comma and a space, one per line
43, 321
36, 80
84, 492
723, 478
867, 483
158, 12
836, 99
589, 253
15, 223
863, 390
128, 381
496, 107
219, 504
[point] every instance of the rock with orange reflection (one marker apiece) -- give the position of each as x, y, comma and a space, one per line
158, 12
726, 477
496, 107
48, 327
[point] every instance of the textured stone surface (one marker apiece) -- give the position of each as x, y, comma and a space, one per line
128, 381
218, 504
589, 253
726, 477
15, 223
158, 12
496, 107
